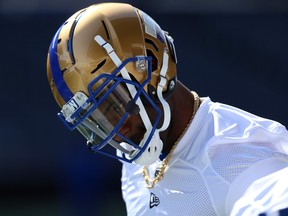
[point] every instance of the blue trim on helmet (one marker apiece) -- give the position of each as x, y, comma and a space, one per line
71, 36
56, 71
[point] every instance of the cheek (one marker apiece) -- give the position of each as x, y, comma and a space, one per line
153, 115
133, 129
136, 128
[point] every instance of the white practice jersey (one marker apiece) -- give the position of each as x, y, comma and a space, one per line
229, 162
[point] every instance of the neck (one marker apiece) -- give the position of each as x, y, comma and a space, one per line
181, 102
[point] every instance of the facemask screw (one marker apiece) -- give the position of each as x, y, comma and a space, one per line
141, 65
172, 85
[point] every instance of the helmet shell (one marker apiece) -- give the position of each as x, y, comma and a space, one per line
130, 31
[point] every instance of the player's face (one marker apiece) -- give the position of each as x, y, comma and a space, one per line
111, 111
133, 129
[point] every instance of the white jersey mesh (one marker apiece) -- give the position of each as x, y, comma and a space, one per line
222, 148
231, 160
188, 194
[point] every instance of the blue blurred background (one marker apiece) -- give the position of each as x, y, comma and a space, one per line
233, 51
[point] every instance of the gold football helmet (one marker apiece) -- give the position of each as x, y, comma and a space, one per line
108, 64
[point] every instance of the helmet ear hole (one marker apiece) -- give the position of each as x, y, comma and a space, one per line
154, 59
153, 92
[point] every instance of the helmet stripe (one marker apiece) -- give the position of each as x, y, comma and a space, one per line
56, 71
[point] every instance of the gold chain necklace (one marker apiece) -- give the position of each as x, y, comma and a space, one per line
150, 183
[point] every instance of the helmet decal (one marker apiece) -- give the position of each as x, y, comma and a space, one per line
150, 27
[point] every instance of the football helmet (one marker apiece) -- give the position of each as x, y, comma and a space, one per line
110, 68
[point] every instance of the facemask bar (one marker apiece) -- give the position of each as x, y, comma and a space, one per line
126, 147
110, 51
81, 107
92, 138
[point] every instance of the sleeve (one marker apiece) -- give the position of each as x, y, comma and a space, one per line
262, 188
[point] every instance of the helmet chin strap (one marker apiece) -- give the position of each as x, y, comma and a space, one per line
116, 60
153, 150
155, 146
161, 85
